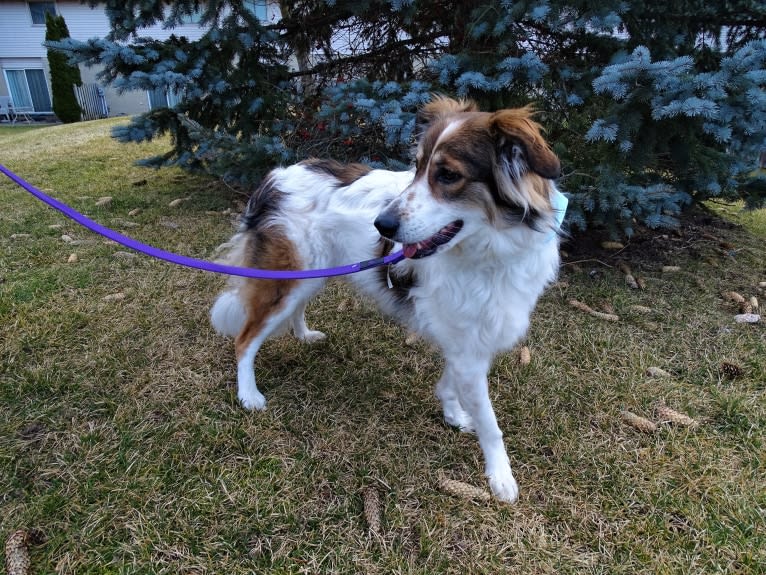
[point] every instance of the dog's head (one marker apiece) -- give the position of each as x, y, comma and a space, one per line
473, 169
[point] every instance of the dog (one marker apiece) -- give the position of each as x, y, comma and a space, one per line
478, 220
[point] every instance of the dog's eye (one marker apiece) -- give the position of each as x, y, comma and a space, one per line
447, 177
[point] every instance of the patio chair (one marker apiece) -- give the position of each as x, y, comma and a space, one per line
5, 109
20, 113
12, 113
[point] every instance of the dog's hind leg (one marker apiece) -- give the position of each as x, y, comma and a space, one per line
270, 305
247, 344
301, 330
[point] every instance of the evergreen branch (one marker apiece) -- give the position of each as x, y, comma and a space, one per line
371, 57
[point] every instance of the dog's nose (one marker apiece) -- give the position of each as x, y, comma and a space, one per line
387, 224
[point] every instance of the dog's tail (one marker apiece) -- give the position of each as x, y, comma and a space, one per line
228, 313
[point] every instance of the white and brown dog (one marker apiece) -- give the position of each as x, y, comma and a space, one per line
478, 221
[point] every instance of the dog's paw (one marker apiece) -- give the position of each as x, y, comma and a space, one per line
253, 401
459, 419
504, 486
312, 336
456, 416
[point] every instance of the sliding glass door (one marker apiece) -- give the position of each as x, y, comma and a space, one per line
29, 90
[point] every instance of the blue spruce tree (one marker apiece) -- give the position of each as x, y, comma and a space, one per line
651, 106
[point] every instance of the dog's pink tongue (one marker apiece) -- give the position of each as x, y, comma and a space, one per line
409, 250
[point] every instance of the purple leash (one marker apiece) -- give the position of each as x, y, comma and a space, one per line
194, 262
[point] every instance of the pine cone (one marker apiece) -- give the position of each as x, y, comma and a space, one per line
411, 339
372, 511
733, 296
638, 422
607, 307
525, 357
641, 309
657, 372
590, 311
730, 370
668, 415
625, 268
463, 490
16, 553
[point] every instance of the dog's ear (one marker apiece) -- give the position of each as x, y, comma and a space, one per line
439, 107
520, 143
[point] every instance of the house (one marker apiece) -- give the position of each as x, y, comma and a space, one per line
25, 76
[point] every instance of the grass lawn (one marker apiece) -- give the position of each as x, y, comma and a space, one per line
753, 220
122, 443
9, 130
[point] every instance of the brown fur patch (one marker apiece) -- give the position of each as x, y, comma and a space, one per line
517, 126
272, 251
441, 107
345, 174
502, 159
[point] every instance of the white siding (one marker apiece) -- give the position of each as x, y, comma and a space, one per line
19, 38
21, 44
82, 21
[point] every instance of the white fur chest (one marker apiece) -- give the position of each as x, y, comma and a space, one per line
481, 301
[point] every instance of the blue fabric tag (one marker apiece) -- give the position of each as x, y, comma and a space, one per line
559, 203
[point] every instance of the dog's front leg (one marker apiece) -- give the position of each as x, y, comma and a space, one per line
448, 394
473, 389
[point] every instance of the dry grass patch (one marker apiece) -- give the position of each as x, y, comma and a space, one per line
121, 440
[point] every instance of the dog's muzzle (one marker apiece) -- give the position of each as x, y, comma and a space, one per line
387, 224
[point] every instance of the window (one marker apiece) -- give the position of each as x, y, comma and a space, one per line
29, 90
257, 8
38, 10
162, 98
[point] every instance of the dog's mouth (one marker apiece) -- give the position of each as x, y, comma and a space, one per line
428, 246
